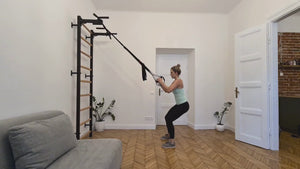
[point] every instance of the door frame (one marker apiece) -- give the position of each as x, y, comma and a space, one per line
273, 72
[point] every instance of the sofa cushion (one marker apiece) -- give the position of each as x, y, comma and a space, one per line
92, 154
37, 144
6, 156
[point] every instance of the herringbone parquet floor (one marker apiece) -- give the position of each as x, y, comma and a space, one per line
201, 149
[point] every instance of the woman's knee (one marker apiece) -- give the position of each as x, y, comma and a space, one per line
167, 119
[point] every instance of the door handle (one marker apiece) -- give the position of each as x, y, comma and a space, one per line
236, 92
159, 91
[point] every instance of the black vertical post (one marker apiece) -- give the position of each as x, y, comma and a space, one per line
78, 77
91, 84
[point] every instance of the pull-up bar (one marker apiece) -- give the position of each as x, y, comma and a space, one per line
144, 67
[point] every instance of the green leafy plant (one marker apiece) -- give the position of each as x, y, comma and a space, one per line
98, 112
219, 115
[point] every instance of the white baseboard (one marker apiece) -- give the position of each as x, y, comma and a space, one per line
83, 132
230, 128
153, 126
201, 127
208, 127
191, 125
131, 126
204, 127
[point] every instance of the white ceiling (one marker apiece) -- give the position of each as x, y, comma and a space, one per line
194, 6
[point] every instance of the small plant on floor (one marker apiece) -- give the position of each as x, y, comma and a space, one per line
219, 115
98, 112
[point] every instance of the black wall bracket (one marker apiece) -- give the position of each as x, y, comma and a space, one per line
72, 73
72, 24
86, 76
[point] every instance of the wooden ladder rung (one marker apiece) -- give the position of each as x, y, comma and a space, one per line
87, 28
83, 95
85, 135
81, 124
86, 41
83, 67
86, 54
85, 81
85, 108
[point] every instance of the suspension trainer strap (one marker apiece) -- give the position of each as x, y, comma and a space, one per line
144, 74
144, 67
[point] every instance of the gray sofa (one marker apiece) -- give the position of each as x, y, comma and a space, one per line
46, 140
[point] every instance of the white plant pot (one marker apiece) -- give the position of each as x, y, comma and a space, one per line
99, 125
220, 127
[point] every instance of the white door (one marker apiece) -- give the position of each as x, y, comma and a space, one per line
252, 117
164, 101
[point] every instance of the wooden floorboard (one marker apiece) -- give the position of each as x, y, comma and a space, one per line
201, 149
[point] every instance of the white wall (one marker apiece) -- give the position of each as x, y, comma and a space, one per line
37, 52
245, 15
118, 75
290, 24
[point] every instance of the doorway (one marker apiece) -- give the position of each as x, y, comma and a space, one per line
289, 72
165, 59
274, 72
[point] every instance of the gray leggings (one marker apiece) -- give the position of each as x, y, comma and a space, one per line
174, 113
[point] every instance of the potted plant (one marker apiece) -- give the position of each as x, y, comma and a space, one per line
219, 116
99, 114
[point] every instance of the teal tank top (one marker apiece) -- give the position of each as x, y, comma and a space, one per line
179, 96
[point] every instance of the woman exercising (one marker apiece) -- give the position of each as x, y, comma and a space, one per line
179, 109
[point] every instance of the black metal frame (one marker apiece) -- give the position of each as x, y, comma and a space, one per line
80, 22
91, 84
93, 34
